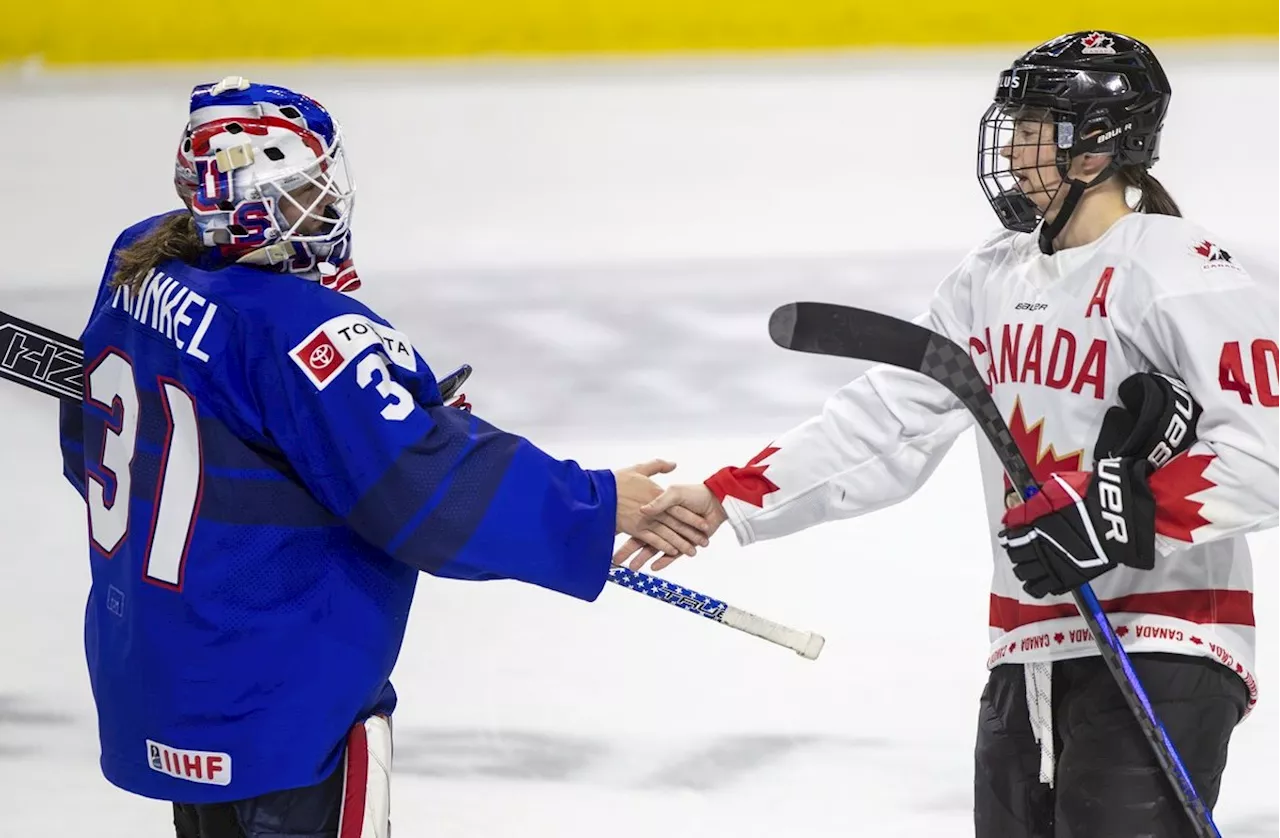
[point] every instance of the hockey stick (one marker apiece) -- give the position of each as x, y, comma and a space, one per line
41, 359
803, 643
53, 364
828, 329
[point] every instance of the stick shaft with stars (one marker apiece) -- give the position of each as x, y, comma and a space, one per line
803, 643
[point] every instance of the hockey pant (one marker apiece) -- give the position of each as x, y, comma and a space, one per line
1107, 782
352, 802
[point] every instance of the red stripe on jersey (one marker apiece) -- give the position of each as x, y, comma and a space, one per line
356, 783
1211, 606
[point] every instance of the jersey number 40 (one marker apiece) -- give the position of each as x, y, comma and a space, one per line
112, 387
1232, 375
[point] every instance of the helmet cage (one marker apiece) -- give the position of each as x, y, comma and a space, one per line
264, 173
278, 184
311, 202
1088, 113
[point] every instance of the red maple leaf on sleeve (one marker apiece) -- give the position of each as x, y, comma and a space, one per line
747, 483
1172, 485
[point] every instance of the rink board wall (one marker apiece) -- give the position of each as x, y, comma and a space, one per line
132, 31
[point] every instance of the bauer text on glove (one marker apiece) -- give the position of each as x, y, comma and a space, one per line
1082, 524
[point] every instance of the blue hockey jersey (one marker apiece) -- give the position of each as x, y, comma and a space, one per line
267, 466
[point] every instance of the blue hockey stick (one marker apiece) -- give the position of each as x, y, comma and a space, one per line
803, 643
843, 331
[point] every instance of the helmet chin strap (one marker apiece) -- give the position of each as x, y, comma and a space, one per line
1075, 191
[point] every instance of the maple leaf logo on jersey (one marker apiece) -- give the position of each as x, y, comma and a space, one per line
1172, 485
1214, 256
1212, 252
1043, 462
748, 484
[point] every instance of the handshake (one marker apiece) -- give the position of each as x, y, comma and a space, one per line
672, 523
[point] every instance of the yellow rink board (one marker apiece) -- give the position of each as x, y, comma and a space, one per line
81, 31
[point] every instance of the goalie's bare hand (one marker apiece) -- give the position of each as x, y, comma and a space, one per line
691, 499
634, 553
675, 531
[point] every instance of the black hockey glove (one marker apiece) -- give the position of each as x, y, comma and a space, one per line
1156, 420
451, 383
1082, 524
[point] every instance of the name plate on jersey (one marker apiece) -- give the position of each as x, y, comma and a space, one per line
336, 342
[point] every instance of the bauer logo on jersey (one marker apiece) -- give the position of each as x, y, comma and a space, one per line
213, 768
338, 341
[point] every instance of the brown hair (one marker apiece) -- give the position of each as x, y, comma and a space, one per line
174, 237
1155, 198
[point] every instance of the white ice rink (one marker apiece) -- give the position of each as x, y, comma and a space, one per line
604, 241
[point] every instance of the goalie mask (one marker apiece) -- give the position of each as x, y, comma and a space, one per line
263, 171
1084, 93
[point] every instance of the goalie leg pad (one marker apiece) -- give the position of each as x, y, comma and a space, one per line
366, 792
354, 801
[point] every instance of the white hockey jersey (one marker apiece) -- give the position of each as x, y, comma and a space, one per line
1055, 336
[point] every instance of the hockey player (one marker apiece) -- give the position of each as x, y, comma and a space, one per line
1068, 309
267, 466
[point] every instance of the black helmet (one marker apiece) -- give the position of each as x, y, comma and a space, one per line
1104, 93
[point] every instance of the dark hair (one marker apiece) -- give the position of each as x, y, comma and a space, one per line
1155, 198
174, 237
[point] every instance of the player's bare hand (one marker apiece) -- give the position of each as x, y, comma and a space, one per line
676, 532
635, 554
691, 499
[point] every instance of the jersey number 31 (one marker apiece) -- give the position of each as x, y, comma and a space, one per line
112, 387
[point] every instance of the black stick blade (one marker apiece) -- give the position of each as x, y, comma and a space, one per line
829, 329
847, 332
782, 325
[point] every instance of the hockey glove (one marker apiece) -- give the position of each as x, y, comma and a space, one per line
451, 383
1082, 524
1156, 420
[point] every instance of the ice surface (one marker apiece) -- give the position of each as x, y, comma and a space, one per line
604, 243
